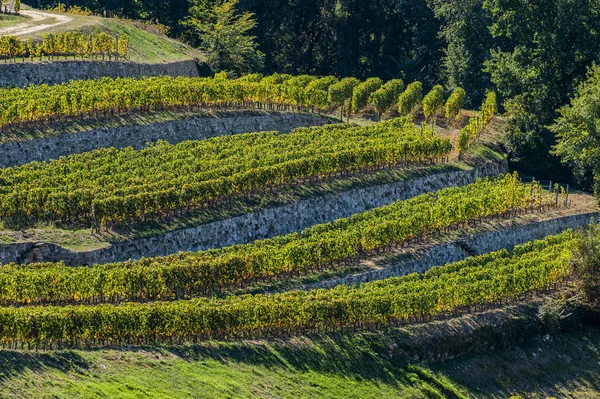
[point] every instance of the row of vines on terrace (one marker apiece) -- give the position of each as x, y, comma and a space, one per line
108, 186
106, 97
476, 283
66, 44
323, 247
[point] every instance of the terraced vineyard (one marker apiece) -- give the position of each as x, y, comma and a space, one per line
105, 187
316, 249
475, 283
254, 290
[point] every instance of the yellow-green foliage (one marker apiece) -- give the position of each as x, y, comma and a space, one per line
411, 97
386, 95
362, 92
455, 103
340, 92
433, 101
471, 132
66, 44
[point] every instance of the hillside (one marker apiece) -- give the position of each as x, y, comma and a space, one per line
219, 237
363, 365
349, 199
145, 46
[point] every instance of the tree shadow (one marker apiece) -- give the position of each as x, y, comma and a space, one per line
14, 363
361, 356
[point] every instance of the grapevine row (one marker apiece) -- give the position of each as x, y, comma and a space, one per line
103, 97
65, 44
318, 248
444, 291
471, 132
410, 98
109, 186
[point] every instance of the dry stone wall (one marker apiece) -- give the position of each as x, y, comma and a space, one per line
266, 223
43, 149
51, 73
459, 250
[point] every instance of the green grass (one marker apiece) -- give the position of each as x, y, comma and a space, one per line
148, 47
145, 47
336, 367
10, 20
356, 365
563, 366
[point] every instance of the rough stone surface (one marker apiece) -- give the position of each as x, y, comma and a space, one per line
51, 73
456, 251
253, 226
43, 149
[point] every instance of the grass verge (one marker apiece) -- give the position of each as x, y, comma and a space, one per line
145, 47
372, 364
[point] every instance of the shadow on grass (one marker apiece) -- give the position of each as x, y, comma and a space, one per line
13, 363
361, 356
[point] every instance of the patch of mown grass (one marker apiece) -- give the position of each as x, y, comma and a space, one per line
148, 47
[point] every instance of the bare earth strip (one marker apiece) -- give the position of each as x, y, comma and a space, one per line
33, 26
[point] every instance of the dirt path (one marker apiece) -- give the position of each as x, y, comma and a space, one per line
39, 21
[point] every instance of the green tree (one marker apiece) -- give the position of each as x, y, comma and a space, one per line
535, 65
224, 35
585, 264
578, 131
465, 31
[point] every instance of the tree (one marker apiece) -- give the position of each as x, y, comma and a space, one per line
585, 264
578, 131
535, 65
224, 35
468, 40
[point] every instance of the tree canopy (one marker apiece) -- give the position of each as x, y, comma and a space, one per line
224, 35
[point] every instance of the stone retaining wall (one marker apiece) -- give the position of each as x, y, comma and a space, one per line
43, 149
51, 73
455, 251
269, 222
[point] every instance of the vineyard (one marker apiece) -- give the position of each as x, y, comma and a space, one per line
261, 290
455, 288
106, 187
66, 44
108, 97
184, 297
242, 199
322, 247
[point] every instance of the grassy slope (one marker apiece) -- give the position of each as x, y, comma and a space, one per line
10, 20
145, 46
342, 367
364, 365
565, 366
